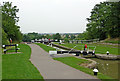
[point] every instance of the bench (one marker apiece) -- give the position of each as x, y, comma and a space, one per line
5, 50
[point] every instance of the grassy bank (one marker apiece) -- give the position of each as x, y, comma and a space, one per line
46, 48
100, 49
74, 62
18, 66
113, 41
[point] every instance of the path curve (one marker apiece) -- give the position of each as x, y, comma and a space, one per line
51, 69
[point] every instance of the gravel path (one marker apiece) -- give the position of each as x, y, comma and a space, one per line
51, 69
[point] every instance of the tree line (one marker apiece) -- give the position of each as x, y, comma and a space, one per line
10, 29
32, 36
104, 21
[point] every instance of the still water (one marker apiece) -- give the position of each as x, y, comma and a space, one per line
108, 67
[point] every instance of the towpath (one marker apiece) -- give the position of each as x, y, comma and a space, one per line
51, 69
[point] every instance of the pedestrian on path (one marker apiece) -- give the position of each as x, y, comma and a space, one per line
85, 47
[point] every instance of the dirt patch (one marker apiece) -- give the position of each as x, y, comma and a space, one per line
84, 64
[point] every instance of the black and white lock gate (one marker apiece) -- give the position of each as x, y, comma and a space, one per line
84, 52
70, 52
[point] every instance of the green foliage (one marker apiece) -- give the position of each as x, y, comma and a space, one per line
18, 66
4, 38
9, 21
104, 21
32, 36
72, 37
67, 36
113, 41
83, 36
66, 40
57, 36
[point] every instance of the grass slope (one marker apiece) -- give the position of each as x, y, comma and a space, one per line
112, 40
74, 62
100, 49
46, 48
18, 66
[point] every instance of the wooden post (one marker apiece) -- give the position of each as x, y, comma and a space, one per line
16, 48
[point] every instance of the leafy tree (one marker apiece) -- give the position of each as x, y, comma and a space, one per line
57, 36
104, 19
26, 38
4, 38
67, 36
72, 37
66, 40
9, 20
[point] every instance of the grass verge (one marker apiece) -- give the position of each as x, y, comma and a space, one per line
100, 49
74, 62
46, 48
18, 66
112, 40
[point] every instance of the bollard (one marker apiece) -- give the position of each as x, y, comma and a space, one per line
95, 71
93, 53
107, 52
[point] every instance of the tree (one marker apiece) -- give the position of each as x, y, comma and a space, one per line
104, 19
9, 20
57, 36
67, 36
4, 38
72, 37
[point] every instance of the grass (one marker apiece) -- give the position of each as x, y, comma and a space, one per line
100, 49
112, 40
46, 48
74, 62
0, 64
18, 66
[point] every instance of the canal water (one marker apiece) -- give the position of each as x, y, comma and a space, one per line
108, 67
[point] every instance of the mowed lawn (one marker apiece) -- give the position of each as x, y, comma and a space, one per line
45, 47
0, 65
18, 66
100, 48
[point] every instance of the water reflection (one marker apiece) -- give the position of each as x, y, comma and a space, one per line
108, 67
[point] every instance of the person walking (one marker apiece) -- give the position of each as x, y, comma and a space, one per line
85, 47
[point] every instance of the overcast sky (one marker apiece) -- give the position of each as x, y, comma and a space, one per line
51, 16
